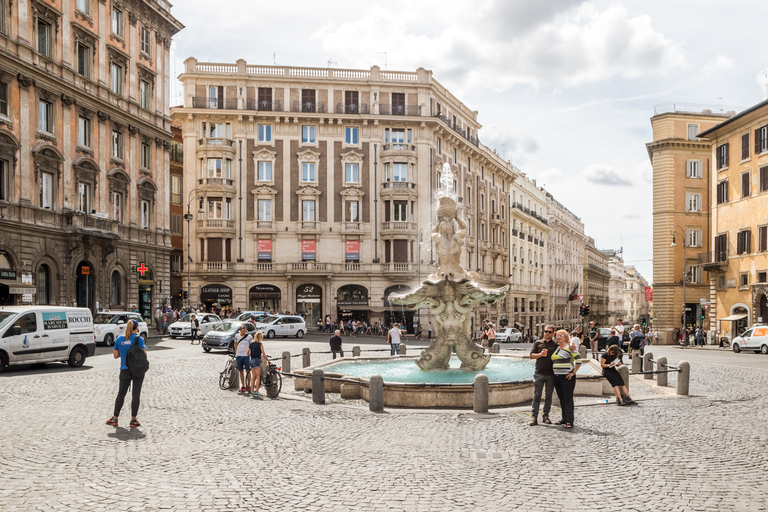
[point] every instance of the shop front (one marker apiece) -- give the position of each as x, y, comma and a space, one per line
264, 297
216, 296
309, 302
352, 303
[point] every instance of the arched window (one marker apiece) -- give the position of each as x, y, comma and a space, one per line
43, 285
114, 288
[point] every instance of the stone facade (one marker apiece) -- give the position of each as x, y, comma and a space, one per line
635, 305
84, 137
596, 279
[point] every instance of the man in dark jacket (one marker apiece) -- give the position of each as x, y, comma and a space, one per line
336, 344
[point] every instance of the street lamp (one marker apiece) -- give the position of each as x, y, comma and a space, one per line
685, 278
188, 217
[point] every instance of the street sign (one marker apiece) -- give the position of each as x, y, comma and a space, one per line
580, 297
687, 309
86, 270
705, 306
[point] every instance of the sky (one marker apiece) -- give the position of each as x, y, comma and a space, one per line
564, 89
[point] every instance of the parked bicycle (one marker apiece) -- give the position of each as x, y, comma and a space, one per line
272, 380
229, 377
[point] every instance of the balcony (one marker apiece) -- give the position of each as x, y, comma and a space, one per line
218, 266
397, 268
216, 143
352, 267
310, 107
386, 109
308, 225
352, 108
396, 227
215, 103
529, 212
398, 147
308, 266
398, 185
217, 225
89, 224
472, 140
351, 226
264, 105
715, 261
265, 225
263, 267
216, 181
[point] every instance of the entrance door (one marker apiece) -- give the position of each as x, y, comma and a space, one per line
84, 285
26, 345
145, 301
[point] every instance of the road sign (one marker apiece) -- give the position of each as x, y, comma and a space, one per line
580, 297
705, 306
85, 270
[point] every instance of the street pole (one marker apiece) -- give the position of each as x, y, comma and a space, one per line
189, 259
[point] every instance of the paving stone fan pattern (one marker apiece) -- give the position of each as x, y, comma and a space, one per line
200, 448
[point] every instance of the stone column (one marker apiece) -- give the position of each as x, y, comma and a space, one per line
481, 394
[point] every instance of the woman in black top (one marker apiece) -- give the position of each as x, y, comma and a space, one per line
609, 362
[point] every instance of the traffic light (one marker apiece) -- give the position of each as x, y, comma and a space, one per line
586, 309
186, 294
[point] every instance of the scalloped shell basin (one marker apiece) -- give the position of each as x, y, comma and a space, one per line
402, 370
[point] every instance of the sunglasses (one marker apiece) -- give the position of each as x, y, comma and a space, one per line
548, 332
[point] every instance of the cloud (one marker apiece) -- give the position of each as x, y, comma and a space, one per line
718, 64
607, 175
549, 176
509, 144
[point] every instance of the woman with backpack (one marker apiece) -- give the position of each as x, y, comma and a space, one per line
123, 344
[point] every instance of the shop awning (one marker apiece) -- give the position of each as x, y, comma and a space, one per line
17, 287
734, 317
518, 324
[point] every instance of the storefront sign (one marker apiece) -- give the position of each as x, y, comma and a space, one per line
352, 250
216, 292
264, 291
352, 295
309, 293
308, 249
648, 294
264, 248
21, 291
27, 297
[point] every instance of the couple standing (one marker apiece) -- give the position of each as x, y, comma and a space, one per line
556, 364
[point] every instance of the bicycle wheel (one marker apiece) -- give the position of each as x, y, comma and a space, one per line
274, 384
224, 382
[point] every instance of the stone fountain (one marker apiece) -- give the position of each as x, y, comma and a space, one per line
451, 292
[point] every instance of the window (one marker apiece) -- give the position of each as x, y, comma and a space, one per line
308, 172
114, 287
117, 206
144, 207
214, 168
722, 192
84, 131
351, 173
43, 284
350, 136
84, 6
761, 139
176, 265
84, 197
46, 190
83, 60
214, 208
693, 169
45, 116
117, 144
721, 247
351, 102
145, 41
219, 130
4, 180
214, 95
44, 35
308, 100
145, 94
146, 155
693, 237
398, 136
308, 134
469, 195
400, 211
176, 189
722, 156
693, 274
307, 210
439, 146
762, 238
265, 99
745, 183
762, 277
743, 280
265, 171
400, 172
455, 155
351, 209
398, 103
116, 78
745, 146
117, 22
176, 224
265, 209
743, 241
4, 99
693, 202
265, 133
693, 130
763, 179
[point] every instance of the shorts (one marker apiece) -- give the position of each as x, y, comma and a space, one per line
243, 363
255, 362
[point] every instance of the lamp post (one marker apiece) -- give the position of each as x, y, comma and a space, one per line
188, 218
685, 278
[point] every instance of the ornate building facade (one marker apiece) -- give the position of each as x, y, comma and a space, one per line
84, 143
596, 279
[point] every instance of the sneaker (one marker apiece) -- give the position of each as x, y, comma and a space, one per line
533, 422
135, 423
545, 419
112, 421
257, 394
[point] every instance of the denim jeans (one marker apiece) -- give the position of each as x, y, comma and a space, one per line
394, 349
539, 381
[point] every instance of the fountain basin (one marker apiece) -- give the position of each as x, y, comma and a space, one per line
451, 388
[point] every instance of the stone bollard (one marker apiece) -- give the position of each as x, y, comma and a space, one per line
496, 348
285, 367
481, 393
402, 349
637, 361
661, 365
648, 365
683, 377
582, 351
624, 372
318, 386
356, 351
305, 353
376, 393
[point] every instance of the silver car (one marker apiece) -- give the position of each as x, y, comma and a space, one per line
183, 328
509, 335
222, 337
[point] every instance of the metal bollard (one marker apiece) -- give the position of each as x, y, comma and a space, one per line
624, 372
376, 393
318, 386
495, 348
286, 364
481, 392
305, 352
661, 365
356, 351
683, 377
648, 365
401, 349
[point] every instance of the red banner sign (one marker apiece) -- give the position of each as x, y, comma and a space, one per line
648, 294
352, 250
264, 248
308, 249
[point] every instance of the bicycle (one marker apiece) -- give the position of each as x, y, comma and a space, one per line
229, 377
272, 380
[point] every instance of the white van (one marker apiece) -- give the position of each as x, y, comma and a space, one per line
282, 325
755, 338
44, 334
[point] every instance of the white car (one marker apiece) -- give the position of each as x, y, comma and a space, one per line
282, 325
183, 328
509, 335
108, 325
755, 338
247, 315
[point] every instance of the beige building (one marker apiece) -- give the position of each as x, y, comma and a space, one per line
636, 307
737, 257
312, 189
682, 187
596, 280
84, 142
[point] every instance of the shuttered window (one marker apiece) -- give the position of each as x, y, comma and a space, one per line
722, 156
763, 179
722, 192
745, 184
743, 242
721, 247
745, 146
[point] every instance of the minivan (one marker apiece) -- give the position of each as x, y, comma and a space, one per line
44, 334
282, 325
755, 338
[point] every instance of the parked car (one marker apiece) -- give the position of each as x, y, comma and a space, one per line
509, 335
108, 325
755, 338
182, 328
282, 325
222, 337
247, 315
602, 338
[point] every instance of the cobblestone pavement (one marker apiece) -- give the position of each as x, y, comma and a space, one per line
200, 448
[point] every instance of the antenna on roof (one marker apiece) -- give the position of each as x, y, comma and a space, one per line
331, 63
385, 58
721, 103
274, 62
